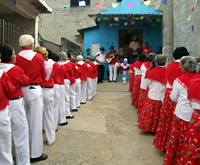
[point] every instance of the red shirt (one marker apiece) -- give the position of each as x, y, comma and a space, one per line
72, 78
69, 73
6, 89
17, 78
90, 71
145, 50
57, 74
114, 59
84, 70
78, 72
95, 69
32, 67
48, 81
62, 74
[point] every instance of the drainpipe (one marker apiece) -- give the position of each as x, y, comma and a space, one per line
36, 31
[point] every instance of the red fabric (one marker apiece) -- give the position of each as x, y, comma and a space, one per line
173, 71
18, 79
141, 100
150, 115
147, 73
58, 74
136, 89
149, 51
69, 73
165, 122
84, 70
191, 148
72, 75
194, 89
147, 64
62, 74
185, 78
91, 71
138, 64
131, 82
50, 82
95, 74
6, 89
114, 59
158, 74
178, 132
78, 72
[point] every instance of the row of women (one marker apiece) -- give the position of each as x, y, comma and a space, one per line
42, 88
168, 104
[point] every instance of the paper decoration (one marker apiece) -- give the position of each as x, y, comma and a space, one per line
131, 4
147, 3
137, 18
89, 16
114, 5
125, 23
192, 28
148, 19
192, 9
116, 19
98, 6
98, 19
82, 3
132, 22
164, 1
189, 18
142, 17
108, 20
65, 6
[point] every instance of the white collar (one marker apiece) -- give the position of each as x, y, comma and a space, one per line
1, 73
80, 62
6, 67
27, 54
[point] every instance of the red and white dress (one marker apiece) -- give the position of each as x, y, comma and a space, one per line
162, 136
137, 81
143, 87
183, 114
131, 77
191, 148
151, 111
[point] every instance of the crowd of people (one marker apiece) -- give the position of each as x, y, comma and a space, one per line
168, 104
39, 90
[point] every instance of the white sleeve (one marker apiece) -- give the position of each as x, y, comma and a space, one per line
175, 91
148, 82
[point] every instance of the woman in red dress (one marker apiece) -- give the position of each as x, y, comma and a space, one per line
157, 84
173, 71
183, 111
191, 149
137, 78
131, 78
143, 84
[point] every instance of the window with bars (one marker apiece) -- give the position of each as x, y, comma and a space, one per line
75, 3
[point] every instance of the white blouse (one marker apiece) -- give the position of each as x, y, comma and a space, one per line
156, 90
179, 94
195, 105
143, 84
137, 71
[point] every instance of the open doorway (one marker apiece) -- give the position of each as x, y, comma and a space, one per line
126, 36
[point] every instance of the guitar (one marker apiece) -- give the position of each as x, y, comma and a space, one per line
109, 60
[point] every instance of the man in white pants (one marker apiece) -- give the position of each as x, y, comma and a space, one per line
112, 67
6, 89
32, 64
84, 70
16, 105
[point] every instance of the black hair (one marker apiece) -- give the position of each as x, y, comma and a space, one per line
6, 52
153, 64
142, 57
179, 52
55, 57
150, 57
50, 54
88, 49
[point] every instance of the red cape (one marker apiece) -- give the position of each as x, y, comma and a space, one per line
194, 90
158, 74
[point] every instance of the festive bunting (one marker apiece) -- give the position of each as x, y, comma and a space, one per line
192, 28
192, 9
89, 16
131, 4
114, 5
148, 19
108, 20
98, 19
98, 6
142, 17
116, 19
189, 18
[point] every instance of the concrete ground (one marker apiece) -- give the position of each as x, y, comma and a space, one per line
104, 132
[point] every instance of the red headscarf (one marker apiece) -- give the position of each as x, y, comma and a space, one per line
185, 78
158, 74
173, 71
194, 89
147, 64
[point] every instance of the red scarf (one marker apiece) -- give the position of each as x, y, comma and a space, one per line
173, 71
138, 64
158, 74
185, 78
194, 89
147, 64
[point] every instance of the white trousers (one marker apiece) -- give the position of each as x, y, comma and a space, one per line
89, 88
67, 97
48, 119
20, 130
34, 109
56, 104
62, 109
83, 91
94, 82
78, 92
112, 72
5, 138
73, 96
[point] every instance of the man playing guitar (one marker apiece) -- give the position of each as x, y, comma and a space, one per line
111, 58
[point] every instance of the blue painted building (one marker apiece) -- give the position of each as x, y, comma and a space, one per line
120, 22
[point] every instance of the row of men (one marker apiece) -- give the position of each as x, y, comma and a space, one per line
172, 104
44, 88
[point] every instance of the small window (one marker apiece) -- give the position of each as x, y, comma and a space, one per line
75, 3
119, 0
